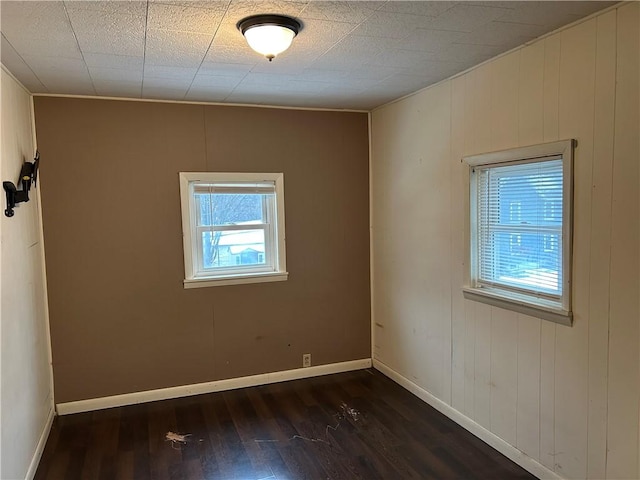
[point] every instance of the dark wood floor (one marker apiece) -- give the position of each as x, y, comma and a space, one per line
356, 425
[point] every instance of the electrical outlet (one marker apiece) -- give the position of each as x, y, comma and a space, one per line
306, 359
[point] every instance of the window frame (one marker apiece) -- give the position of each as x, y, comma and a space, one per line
275, 243
537, 305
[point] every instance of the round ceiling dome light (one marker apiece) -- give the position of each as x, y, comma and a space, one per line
269, 35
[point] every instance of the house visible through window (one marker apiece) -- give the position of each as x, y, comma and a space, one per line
520, 205
233, 226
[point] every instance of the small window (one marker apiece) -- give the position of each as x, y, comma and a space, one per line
520, 230
233, 228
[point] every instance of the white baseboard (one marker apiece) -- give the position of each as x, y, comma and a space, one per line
208, 387
508, 450
35, 461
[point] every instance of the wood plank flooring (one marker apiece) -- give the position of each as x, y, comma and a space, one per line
356, 425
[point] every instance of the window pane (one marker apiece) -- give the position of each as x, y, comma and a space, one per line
529, 261
529, 194
233, 248
231, 209
520, 226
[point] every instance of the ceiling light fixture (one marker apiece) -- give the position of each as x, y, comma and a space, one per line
269, 35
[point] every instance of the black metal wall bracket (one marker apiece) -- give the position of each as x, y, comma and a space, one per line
28, 175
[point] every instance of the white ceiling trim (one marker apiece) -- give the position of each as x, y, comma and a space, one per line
188, 102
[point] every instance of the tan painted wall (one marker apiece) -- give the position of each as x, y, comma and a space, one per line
121, 320
27, 389
567, 397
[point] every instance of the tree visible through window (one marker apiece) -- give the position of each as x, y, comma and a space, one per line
231, 209
233, 226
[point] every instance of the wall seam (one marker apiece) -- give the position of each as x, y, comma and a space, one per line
593, 124
518, 315
544, 71
193, 102
45, 290
613, 166
144, 48
451, 288
555, 335
75, 38
371, 243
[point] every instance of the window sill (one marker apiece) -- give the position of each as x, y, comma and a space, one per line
514, 304
235, 279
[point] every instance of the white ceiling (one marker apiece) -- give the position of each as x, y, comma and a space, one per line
349, 54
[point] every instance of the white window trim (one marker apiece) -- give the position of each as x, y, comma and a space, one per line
527, 304
192, 279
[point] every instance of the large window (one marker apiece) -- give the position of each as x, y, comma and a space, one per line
520, 229
233, 228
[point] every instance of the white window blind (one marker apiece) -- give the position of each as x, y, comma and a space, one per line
235, 187
519, 208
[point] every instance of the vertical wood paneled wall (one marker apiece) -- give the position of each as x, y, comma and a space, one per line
566, 396
26, 401
115, 273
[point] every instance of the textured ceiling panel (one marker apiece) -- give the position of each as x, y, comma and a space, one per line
178, 49
389, 25
118, 89
225, 69
107, 32
20, 68
172, 83
215, 82
184, 18
466, 17
163, 71
423, 40
501, 33
42, 65
122, 7
353, 12
319, 36
429, 9
240, 9
116, 74
38, 28
106, 60
349, 54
